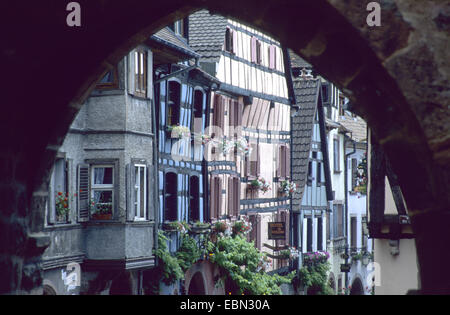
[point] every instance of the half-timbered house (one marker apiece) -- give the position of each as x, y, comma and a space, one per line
252, 108
395, 268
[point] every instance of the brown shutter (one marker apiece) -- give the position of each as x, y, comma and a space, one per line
237, 195
240, 113
231, 113
258, 162
272, 56
230, 192
258, 231
219, 197
212, 198
288, 162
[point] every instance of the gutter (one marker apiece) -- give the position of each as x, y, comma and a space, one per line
347, 139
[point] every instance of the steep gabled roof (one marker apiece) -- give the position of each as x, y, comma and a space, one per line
207, 34
169, 47
356, 125
307, 94
297, 61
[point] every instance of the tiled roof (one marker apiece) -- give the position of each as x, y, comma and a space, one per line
167, 37
297, 61
356, 125
306, 94
207, 34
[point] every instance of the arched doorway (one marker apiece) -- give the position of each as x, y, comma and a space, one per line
359, 59
197, 286
357, 287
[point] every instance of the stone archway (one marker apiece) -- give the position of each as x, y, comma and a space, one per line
197, 285
357, 287
397, 75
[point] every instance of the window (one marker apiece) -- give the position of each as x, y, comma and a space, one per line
353, 226
140, 192
194, 199
328, 218
309, 233
319, 234
319, 173
310, 178
173, 104
364, 236
252, 161
171, 197
338, 210
179, 27
109, 80
230, 41
336, 157
102, 192
140, 72
59, 200
326, 95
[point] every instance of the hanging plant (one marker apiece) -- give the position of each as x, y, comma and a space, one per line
243, 146
287, 187
177, 131
261, 184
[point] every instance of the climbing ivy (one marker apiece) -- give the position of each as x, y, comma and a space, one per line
241, 262
314, 277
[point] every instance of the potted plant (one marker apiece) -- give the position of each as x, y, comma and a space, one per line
176, 226
101, 211
62, 206
200, 227
287, 187
240, 227
177, 131
261, 184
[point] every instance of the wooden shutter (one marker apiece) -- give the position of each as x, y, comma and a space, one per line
278, 164
234, 47
258, 161
240, 109
83, 192
237, 195
272, 56
230, 197
253, 49
319, 233
258, 231
231, 113
212, 198
130, 176
288, 162
218, 196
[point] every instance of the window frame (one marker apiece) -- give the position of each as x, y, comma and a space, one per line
51, 203
109, 85
140, 72
102, 187
137, 201
336, 155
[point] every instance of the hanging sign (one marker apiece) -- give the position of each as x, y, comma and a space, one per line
277, 231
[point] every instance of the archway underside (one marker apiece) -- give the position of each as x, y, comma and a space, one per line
395, 78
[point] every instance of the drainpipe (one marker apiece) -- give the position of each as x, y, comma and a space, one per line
346, 140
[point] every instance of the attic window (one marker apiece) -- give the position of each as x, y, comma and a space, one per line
231, 41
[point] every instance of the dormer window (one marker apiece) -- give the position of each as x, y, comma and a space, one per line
231, 41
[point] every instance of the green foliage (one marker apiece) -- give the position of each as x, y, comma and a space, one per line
188, 253
315, 277
170, 266
241, 262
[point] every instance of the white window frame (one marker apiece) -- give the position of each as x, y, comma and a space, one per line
102, 187
137, 188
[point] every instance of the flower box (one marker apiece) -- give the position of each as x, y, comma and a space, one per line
102, 216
